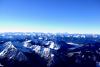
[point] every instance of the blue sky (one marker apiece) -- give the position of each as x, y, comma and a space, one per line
73, 16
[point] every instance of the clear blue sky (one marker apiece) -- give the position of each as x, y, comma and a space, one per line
73, 16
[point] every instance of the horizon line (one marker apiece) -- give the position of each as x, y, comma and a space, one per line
44, 32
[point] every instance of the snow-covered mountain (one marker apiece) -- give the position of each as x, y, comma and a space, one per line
11, 52
46, 50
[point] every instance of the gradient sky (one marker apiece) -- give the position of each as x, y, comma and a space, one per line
73, 16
